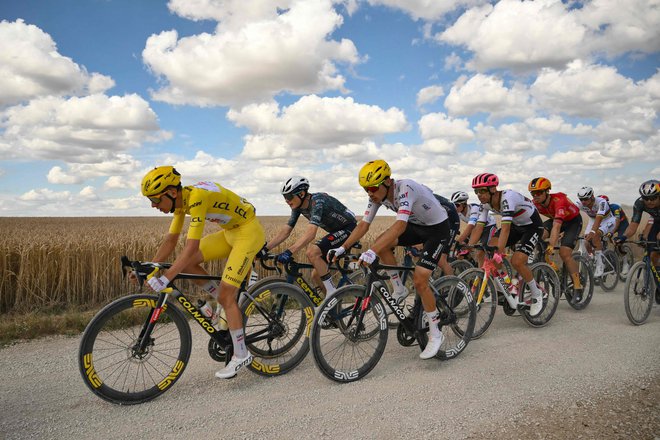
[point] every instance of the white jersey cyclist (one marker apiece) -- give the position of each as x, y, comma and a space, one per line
599, 207
473, 216
514, 208
413, 203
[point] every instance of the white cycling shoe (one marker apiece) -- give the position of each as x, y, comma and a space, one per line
233, 366
432, 347
537, 306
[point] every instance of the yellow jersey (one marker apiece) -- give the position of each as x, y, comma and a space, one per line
210, 201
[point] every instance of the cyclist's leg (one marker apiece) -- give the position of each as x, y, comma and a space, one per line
317, 252
571, 230
527, 239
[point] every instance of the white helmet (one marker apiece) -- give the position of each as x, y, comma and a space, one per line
585, 192
459, 197
294, 185
649, 188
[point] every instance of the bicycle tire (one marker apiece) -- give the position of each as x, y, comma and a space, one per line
287, 326
587, 280
340, 353
610, 279
457, 334
629, 256
548, 281
460, 266
109, 364
638, 294
487, 306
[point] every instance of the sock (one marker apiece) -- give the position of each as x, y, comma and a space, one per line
238, 340
536, 292
577, 284
433, 318
599, 256
396, 281
327, 283
212, 288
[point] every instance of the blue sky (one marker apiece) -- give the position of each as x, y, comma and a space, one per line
248, 93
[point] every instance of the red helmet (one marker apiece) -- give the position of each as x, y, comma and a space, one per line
485, 180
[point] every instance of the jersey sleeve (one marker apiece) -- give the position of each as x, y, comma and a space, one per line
482, 213
406, 201
475, 214
508, 205
603, 208
198, 206
370, 212
316, 213
293, 219
177, 222
638, 210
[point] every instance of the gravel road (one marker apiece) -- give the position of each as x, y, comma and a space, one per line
513, 375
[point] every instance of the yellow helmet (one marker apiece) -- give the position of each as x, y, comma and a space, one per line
373, 173
156, 180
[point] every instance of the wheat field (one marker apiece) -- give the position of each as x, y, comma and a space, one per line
58, 263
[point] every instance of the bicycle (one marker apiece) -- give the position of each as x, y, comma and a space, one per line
610, 277
138, 346
567, 288
485, 283
349, 348
626, 258
642, 287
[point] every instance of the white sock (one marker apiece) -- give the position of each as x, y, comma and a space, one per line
536, 292
396, 281
238, 340
327, 283
433, 318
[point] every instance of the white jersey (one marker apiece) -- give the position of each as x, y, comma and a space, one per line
473, 216
514, 207
600, 207
413, 203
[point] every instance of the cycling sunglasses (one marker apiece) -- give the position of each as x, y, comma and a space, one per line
290, 196
156, 199
537, 192
481, 191
649, 198
372, 189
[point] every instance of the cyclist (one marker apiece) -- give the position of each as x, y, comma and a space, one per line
521, 228
420, 219
239, 241
601, 223
649, 201
323, 211
620, 225
454, 230
469, 213
564, 217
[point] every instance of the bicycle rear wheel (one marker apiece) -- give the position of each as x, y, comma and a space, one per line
548, 281
113, 366
343, 350
638, 294
487, 305
457, 317
278, 317
610, 277
587, 280
460, 266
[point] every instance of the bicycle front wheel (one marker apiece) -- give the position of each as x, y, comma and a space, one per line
485, 303
457, 317
626, 261
344, 349
638, 294
548, 282
278, 317
610, 277
460, 266
586, 279
110, 359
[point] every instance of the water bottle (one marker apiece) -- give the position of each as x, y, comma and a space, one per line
205, 308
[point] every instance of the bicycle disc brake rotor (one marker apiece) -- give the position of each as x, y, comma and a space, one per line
403, 336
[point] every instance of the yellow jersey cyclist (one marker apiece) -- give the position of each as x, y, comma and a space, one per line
601, 223
521, 228
240, 238
469, 213
323, 211
420, 219
649, 201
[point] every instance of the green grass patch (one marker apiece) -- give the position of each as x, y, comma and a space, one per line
33, 325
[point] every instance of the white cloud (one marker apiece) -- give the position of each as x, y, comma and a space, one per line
441, 134
31, 67
44, 195
428, 95
287, 49
121, 164
488, 94
426, 9
507, 138
86, 129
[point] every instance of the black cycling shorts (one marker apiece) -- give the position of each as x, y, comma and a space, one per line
571, 230
525, 238
435, 240
334, 240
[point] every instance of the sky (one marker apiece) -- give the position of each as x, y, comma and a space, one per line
248, 93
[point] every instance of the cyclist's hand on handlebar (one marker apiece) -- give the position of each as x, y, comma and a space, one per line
158, 284
335, 253
367, 257
620, 239
498, 257
285, 256
132, 276
263, 253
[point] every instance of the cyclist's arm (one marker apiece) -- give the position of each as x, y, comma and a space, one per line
647, 230
596, 225
308, 236
281, 235
554, 233
505, 230
359, 231
191, 255
389, 236
632, 228
166, 248
476, 232
465, 234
